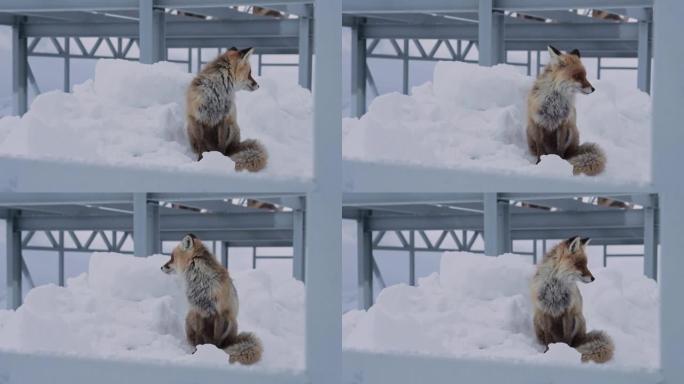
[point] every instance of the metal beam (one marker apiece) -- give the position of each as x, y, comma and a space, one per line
305, 70
651, 239
497, 236
358, 71
644, 55
364, 240
146, 237
14, 261
19, 69
323, 313
298, 248
440, 6
151, 32
19, 6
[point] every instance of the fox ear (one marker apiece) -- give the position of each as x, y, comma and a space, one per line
246, 53
575, 52
187, 242
574, 243
554, 54
233, 49
585, 241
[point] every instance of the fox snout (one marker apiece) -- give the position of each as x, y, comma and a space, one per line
587, 277
166, 268
587, 88
252, 85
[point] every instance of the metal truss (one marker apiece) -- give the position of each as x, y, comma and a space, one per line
424, 223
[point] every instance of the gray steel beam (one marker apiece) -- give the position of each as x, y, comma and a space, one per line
13, 260
298, 248
497, 228
514, 32
358, 68
650, 239
364, 240
305, 70
176, 29
60, 259
19, 69
438, 6
264, 45
146, 236
644, 55
323, 313
19, 6
486, 34
151, 32
237, 238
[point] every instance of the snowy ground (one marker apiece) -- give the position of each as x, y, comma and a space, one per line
133, 114
468, 117
472, 117
126, 308
479, 307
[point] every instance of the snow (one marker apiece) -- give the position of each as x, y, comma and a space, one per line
472, 117
133, 115
126, 308
479, 307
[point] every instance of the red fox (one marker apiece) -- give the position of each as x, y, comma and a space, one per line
551, 115
212, 113
558, 303
212, 317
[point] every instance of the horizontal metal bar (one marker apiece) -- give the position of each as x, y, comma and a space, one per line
260, 44
176, 29
535, 32
19, 6
236, 236
184, 222
429, 6
59, 369
395, 368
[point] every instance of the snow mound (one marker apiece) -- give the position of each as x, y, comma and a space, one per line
479, 307
126, 308
472, 117
133, 114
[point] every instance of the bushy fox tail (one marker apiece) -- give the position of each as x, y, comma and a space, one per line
596, 346
589, 160
246, 350
249, 155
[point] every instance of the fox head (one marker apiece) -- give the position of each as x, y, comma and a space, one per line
568, 70
572, 260
241, 68
182, 255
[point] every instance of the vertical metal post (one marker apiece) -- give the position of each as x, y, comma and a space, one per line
598, 68
19, 69
538, 62
644, 56
259, 64
60, 257
254, 257
305, 49
534, 252
412, 258
298, 254
529, 63
67, 65
189, 60
650, 239
146, 238
152, 36
224, 254
499, 37
324, 203
489, 34
605, 255
13, 244
358, 71
668, 137
497, 236
364, 241
199, 61
405, 68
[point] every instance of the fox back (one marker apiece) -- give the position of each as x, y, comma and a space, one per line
551, 115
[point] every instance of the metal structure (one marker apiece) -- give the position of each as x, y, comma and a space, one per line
155, 26
486, 31
106, 223
453, 222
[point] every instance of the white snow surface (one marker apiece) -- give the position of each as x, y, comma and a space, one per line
472, 117
133, 114
480, 307
126, 308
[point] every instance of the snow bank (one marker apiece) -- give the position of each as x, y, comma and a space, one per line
133, 114
126, 308
479, 307
473, 117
